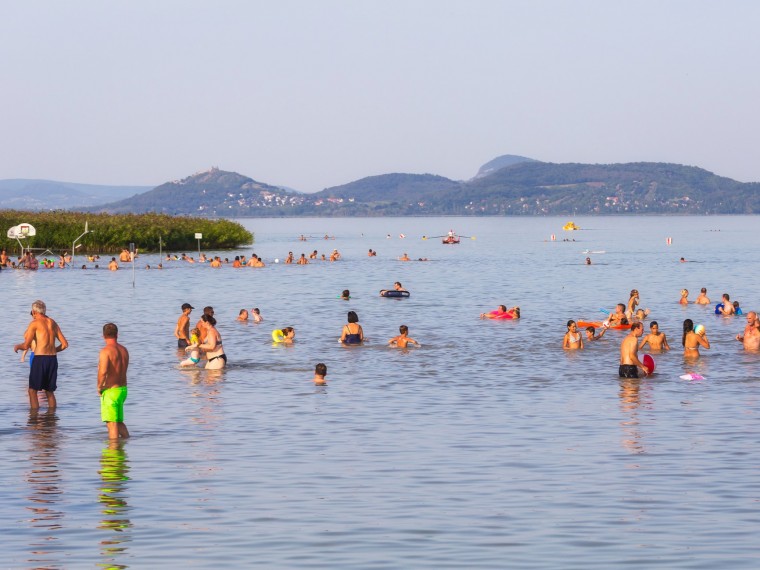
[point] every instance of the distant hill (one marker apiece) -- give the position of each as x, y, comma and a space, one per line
23, 194
524, 187
211, 193
501, 162
635, 188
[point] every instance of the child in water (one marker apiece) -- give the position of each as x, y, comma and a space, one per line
256, 315
573, 339
320, 371
684, 297
591, 333
192, 348
402, 340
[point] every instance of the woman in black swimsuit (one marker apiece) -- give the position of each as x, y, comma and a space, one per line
212, 346
352, 332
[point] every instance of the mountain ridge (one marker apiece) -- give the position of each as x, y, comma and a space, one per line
507, 185
522, 188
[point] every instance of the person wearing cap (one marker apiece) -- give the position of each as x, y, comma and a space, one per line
182, 331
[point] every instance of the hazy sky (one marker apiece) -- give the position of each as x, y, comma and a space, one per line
316, 93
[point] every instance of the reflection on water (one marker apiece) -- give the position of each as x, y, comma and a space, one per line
489, 447
205, 387
635, 393
112, 496
44, 480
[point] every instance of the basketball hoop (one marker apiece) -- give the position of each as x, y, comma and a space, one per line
20, 232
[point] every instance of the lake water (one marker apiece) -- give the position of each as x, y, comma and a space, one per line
488, 447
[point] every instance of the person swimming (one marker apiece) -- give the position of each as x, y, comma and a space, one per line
403, 339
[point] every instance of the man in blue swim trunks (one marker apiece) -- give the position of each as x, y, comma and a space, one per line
43, 373
112, 382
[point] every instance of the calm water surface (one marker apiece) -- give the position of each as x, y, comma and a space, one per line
489, 447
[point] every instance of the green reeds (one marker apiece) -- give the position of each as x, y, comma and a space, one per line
109, 233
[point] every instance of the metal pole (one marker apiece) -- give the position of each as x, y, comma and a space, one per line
199, 251
132, 255
73, 245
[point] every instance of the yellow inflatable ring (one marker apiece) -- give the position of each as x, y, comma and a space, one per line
277, 335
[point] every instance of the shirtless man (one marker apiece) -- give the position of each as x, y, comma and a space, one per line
112, 382
43, 374
702, 298
727, 310
655, 338
124, 256
396, 287
629, 353
201, 325
618, 317
113, 266
404, 257
302, 260
182, 330
751, 336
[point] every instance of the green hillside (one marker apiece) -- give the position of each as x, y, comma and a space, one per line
525, 187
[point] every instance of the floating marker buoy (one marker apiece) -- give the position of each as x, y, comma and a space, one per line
554, 237
402, 236
669, 241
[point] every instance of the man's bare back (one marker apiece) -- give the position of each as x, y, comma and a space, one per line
43, 331
112, 366
113, 362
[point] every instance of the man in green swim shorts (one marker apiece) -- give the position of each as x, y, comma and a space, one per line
112, 382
